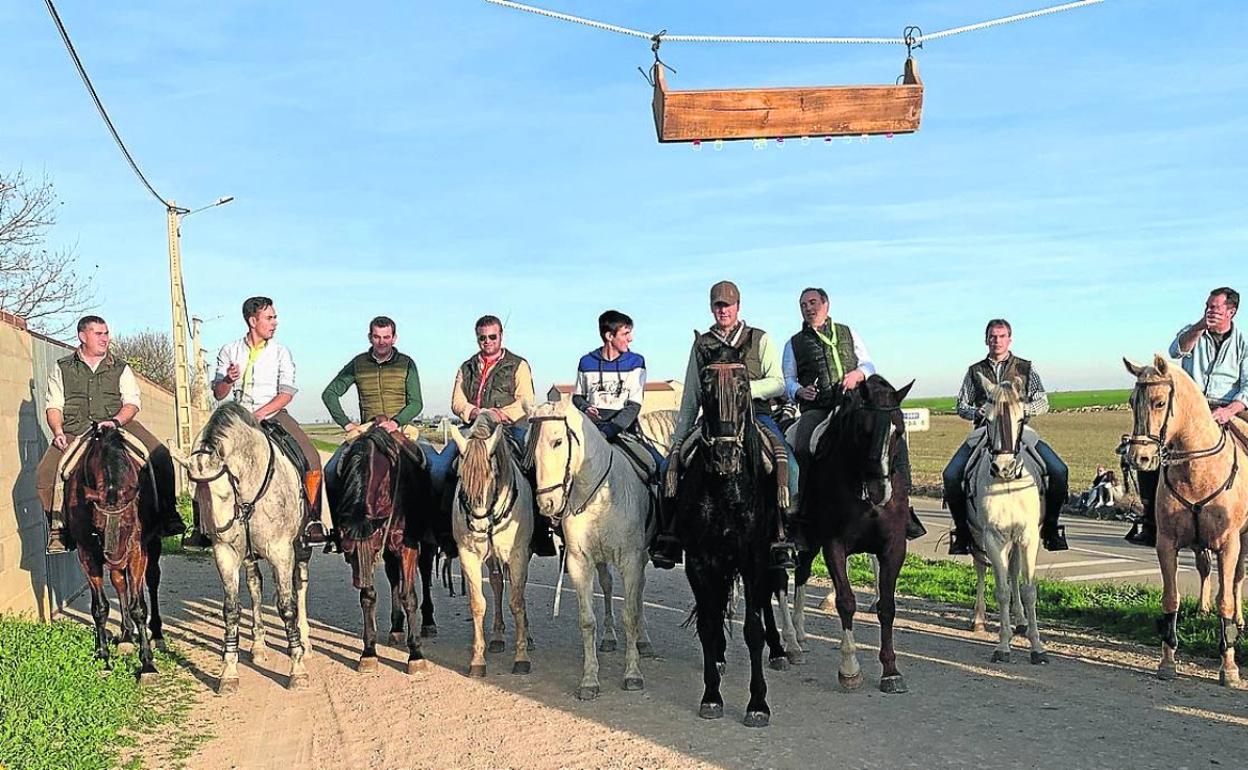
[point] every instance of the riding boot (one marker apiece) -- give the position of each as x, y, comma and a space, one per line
1052, 534
665, 551
197, 538
58, 537
1144, 530
314, 532
782, 550
914, 527
542, 542
960, 541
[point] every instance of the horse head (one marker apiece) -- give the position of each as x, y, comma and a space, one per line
1005, 418
1162, 393
486, 467
110, 483
727, 410
877, 429
557, 447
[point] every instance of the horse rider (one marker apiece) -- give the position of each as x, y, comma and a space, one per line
998, 366
1214, 352
387, 384
499, 381
822, 361
92, 387
611, 382
762, 366
260, 374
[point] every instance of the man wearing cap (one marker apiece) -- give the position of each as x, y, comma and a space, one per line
762, 365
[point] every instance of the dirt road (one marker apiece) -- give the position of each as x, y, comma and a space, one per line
1095, 705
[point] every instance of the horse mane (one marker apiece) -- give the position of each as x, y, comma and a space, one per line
355, 471
224, 421
476, 471
110, 446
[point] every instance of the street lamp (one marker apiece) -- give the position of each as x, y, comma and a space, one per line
177, 299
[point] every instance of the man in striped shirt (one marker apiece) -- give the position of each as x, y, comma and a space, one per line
1001, 365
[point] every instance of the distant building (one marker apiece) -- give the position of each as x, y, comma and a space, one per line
659, 396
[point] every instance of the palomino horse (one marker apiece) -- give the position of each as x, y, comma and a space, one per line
854, 500
1199, 503
591, 488
1004, 515
492, 520
251, 497
383, 506
111, 513
726, 519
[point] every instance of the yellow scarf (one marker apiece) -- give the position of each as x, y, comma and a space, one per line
252, 354
831, 343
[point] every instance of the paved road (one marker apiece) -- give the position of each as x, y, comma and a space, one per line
1097, 551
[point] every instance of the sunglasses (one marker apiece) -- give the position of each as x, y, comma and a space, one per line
484, 337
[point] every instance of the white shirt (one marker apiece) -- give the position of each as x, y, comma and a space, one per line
273, 372
128, 385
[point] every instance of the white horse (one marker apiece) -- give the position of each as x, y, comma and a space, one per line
251, 498
1004, 515
492, 521
590, 487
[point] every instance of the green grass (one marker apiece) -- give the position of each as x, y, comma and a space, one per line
173, 545
1058, 400
60, 711
1126, 611
325, 446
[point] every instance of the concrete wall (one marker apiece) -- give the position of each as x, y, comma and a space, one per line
30, 581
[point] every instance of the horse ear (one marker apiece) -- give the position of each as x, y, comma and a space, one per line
901, 394
492, 441
1135, 369
1161, 364
457, 438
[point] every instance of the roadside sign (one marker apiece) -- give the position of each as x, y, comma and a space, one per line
917, 419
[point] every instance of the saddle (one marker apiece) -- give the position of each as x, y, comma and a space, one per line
286, 444
638, 456
71, 461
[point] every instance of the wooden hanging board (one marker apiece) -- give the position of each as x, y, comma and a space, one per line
776, 113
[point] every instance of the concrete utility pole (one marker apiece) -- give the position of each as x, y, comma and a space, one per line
201, 369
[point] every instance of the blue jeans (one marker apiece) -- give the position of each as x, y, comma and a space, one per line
331, 472
767, 422
955, 471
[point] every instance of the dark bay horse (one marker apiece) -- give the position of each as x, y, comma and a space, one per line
111, 513
726, 519
383, 508
854, 500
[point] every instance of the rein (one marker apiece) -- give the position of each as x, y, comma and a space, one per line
567, 482
242, 511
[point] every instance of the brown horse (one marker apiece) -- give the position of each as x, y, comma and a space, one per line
111, 514
1202, 501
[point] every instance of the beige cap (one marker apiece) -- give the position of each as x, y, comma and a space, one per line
726, 292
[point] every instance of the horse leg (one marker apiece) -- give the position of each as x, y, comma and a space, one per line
288, 610
645, 648
125, 642
633, 571
757, 600
152, 578
1017, 613
428, 627
889, 567
1001, 573
1204, 567
99, 608
799, 615
771, 635
368, 610
497, 627
1168, 559
874, 561
849, 674
408, 561
1229, 571
470, 571
711, 596
792, 650
609, 641
981, 607
518, 570
393, 567
580, 572
1027, 587
228, 563
255, 587
135, 573
301, 603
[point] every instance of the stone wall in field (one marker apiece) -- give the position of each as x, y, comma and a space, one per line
30, 581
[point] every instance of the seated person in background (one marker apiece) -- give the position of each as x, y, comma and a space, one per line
1102, 491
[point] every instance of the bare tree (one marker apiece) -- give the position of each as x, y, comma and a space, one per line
42, 286
150, 353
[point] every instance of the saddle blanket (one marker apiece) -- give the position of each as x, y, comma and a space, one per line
72, 458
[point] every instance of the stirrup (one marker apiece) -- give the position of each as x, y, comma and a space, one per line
782, 555
666, 552
56, 542
959, 544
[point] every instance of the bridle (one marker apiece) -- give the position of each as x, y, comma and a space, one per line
880, 434
492, 518
242, 510
728, 412
567, 482
111, 531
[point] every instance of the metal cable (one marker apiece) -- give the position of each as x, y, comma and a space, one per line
86, 80
799, 40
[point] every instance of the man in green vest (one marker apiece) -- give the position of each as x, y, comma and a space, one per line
762, 365
92, 387
1001, 365
820, 362
387, 384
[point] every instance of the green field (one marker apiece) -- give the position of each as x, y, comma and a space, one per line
1058, 400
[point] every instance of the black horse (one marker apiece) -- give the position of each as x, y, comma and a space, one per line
726, 518
384, 504
854, 500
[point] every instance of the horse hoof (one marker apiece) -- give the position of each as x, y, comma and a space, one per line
1000, 657
849, 682
521, 667
893, 685
780, 663
417, 666
367, 665
1228, 678
125, 648
977, 627
633, 683
398, 637
227, 686
721, 667
607, 645
148, 678
1167, 671
646, 650
299, 682
429, 630
587, 693
496, 645
1039, 658
796, 657
757, 719
476, 670
711, 710
259, 655
1021, 630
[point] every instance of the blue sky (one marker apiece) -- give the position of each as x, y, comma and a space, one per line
1080, 174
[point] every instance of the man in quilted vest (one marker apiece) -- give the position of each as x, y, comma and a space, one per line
1001, 365
92, 387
